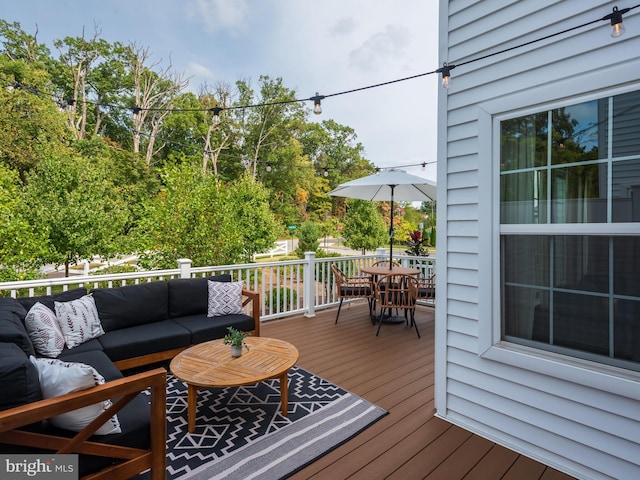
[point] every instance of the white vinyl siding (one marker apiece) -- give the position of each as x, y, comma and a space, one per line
575, 415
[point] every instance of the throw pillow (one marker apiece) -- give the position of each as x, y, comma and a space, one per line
58, 378
78, 320
225, 298
44, 331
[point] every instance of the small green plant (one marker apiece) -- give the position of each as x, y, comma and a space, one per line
236, 337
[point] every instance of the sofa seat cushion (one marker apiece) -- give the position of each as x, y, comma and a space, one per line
189, 296
18, 377
144, 339
12, 329
205, 328
95, 358
93, 344
132, 305
49, 300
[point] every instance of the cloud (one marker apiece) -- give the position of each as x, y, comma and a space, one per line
344, 26
220, 14
388, 44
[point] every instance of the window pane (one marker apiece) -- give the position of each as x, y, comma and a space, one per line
575, 133
626, 267
581, 263
579, 194
526, 259
626, 124
523, 197
523, 142
581, 322
626, 191
627, 330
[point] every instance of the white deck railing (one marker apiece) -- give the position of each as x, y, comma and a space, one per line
289, 287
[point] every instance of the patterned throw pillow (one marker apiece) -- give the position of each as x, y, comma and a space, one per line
58, 378
44, 331
79, 320
225, 298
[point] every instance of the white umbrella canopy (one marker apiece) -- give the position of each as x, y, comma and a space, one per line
407, 187
388, 186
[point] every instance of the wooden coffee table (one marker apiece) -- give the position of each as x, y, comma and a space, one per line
211, 365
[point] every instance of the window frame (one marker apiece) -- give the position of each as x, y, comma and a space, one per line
491, 345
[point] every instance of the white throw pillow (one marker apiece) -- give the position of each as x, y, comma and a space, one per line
225, 298
78, 320
58, 378
44, 331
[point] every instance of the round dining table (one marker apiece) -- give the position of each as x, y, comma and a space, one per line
377, 271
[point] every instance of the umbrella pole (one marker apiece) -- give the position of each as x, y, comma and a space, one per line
391, 232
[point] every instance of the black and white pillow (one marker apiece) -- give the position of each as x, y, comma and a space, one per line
225, 298
78, 320
44, 331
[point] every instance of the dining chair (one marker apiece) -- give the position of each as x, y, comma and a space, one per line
385, 263
399, 292
426, 287
358, 286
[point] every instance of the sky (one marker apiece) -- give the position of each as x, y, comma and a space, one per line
324, 46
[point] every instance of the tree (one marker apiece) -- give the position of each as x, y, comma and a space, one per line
30, 123
308, 235
153, 94
78, 205
22, 245
258, 227
364, 228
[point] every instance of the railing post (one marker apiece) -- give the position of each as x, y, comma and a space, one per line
309, 284
184, 264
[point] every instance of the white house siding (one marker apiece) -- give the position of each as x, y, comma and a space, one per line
577, 416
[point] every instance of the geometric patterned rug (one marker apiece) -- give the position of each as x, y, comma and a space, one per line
241, 432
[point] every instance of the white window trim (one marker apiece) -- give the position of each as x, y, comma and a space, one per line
491, 347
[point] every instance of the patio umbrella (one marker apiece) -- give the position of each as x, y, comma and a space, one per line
388, 186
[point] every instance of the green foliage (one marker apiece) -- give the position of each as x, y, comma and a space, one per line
194, 217
308, 234
364, 228
236, 337
279, 298
76, 203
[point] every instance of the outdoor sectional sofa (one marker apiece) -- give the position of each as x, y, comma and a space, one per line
143, 325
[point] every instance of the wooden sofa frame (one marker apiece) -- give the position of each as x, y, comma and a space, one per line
248, 296
121, 391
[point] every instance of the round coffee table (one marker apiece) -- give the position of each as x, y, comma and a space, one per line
211, 365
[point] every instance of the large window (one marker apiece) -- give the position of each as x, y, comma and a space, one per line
570, 230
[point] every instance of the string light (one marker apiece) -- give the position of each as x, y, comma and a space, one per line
317, 107
617, 28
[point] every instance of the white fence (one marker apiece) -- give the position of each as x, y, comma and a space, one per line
286, 288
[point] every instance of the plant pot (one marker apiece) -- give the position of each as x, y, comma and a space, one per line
236, 350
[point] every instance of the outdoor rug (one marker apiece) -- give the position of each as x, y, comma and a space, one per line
241, 432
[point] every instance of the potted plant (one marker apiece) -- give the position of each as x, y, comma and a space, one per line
417, 244
235, 338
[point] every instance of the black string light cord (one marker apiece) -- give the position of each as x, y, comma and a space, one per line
614, 17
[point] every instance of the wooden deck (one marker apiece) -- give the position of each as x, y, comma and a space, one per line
394, 371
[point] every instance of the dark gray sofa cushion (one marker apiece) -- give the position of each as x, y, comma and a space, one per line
18, 377
144, 339
12, 328
49, 300
96, 358
189, 296
131, 305
205, 328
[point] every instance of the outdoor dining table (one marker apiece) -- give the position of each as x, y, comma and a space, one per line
376, 271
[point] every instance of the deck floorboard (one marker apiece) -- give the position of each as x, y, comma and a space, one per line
395, 371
